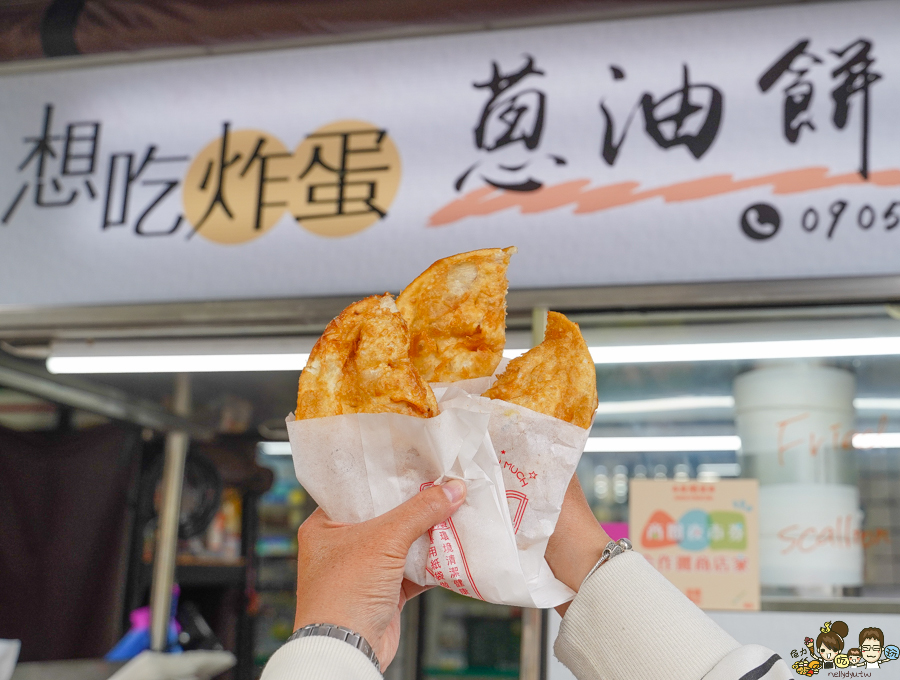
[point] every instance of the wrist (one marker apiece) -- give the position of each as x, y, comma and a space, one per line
612, 549
331, 621
582, 559
334, 617
342, 633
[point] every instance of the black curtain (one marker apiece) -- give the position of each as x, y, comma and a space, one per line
64, 523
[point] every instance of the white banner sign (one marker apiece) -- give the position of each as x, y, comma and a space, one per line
756, 144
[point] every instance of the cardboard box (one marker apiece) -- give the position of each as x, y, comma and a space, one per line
702, 536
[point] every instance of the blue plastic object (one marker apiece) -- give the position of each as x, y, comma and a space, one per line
137, 639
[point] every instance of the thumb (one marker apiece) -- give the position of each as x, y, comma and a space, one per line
413, 518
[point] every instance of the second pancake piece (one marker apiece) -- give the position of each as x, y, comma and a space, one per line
556, 378
456, 312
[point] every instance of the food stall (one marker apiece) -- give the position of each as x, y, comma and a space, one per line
711, 195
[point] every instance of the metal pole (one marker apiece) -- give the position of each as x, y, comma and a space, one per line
531, 652
538, 325
103, 400
530, 655
170, 506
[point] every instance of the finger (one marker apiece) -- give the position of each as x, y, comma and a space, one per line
319, 517
316, 519
411, 589
408, 591
413, 518
314, 525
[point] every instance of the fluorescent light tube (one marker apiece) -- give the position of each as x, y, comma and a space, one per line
746, 351
739, 351
93, 361
661, 444
120, 357
174, 363
275, 448
697, 402
861, 440
884, 440
201, 355
876, 404
685, 403
876, 440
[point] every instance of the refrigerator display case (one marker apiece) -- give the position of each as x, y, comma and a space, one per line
281, 511
824, 419
465, 638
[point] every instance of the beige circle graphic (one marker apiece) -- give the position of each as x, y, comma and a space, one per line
842, 661
237, 187
346, 176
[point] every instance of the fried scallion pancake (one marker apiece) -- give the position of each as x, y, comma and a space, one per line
456, 312
361, 364
556, 378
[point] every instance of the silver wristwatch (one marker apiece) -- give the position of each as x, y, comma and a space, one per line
612, 549
339, 633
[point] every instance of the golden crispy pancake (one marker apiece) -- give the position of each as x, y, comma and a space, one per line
456, 312
557, 377
361, 365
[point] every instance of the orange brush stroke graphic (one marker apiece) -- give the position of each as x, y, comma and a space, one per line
585, 199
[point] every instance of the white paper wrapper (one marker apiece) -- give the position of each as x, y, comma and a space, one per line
359, 466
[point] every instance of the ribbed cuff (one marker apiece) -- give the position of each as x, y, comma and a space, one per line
751, 661
628, 621
319, 658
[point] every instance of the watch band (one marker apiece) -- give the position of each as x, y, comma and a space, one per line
612, 549
355, 640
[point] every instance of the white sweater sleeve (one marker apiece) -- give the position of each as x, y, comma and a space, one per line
628, 623
319, 658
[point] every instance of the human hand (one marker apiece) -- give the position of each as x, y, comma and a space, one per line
577, 543
351, 575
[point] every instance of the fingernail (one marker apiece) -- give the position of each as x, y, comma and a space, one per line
455, 489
